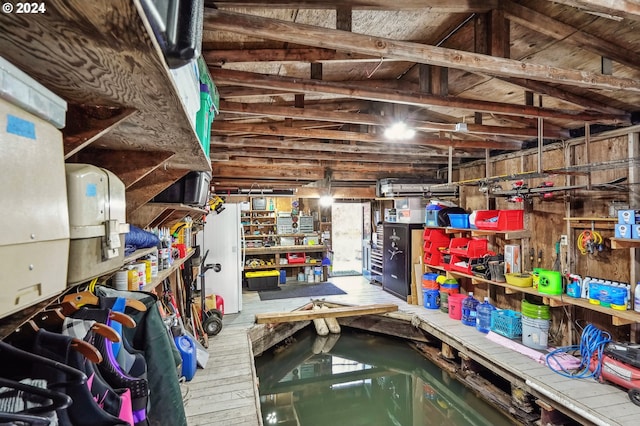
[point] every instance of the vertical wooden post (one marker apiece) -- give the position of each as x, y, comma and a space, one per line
633, 153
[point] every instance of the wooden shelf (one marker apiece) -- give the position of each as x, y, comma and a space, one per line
138, 254
282, 265
256, 251
617, 317
164, 274
87, 30
624, 243
180, 207
517, 234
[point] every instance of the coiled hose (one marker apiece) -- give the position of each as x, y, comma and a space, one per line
592, 342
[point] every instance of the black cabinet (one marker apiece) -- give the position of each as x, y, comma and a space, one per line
398, 253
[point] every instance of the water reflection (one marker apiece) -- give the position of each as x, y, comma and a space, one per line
360, 379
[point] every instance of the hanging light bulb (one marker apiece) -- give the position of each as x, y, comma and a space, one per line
326, 200
399, 131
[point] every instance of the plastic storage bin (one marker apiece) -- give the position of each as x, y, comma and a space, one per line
507, 323
262, 280
23, 91
459, 221
204, 118
500, 220
296, 258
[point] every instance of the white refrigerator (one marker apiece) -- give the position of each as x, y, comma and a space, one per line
223, 237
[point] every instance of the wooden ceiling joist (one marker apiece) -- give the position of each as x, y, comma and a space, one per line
235, 154
281, 130
447, 6
274, 29
334, 147
375, 120
628, 9
309, 54
560, 31
299, 85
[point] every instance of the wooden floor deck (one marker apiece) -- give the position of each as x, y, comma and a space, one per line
225, 392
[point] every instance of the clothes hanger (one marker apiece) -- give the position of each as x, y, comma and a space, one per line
88, 298
53, 320
68, 308
75, 376
29, 330
58, 400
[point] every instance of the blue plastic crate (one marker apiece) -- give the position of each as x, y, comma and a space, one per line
507, 323
459, 221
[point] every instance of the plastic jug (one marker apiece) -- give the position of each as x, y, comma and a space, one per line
483, 317
187, 348
469, 312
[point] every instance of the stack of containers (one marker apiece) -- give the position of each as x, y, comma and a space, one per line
430, 291
447, 287
535, 325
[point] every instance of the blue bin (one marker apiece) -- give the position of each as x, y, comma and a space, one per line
459, 221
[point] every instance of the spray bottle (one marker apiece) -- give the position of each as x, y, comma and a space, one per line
636, 298
574, 286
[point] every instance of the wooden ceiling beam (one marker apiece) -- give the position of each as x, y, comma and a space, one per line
309, 54
444, 6
234, 154
555, 29
335, 147
375, 120
265, 164
274, 29
628, 9
348, 89
302, 176
558, 93
280, 130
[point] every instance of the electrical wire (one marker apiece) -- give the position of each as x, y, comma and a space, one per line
592, 343
589, 241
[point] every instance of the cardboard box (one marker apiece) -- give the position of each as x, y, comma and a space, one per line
623, 230
512, 258
635, 232
627, 217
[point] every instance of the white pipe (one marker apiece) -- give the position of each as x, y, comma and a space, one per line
567, 403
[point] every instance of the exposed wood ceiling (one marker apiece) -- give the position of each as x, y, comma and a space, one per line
309, 87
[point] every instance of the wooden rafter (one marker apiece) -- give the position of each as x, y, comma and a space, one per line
450, 6
280, 130
560, 31
299, 85
624, 8
217, 20
309, 54
335, 147
373, 120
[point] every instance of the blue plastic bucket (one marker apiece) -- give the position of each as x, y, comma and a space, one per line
431, 298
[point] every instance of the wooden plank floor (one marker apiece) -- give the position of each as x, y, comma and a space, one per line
225, 392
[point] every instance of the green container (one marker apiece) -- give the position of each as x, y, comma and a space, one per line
204, 118
533, 311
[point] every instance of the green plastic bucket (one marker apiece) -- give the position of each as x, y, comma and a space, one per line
533, 311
